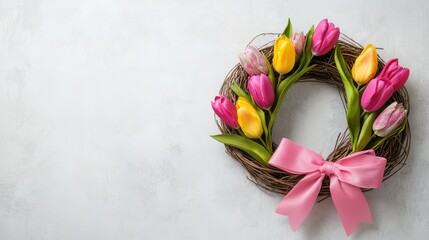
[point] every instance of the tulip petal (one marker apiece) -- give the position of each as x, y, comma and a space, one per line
400, 79
376, 94
319, 34
390, 66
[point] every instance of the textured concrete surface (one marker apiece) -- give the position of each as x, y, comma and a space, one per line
105, 117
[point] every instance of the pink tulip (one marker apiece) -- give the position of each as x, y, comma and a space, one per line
253, 62
262, 91
226, 110
298, 40
396, 74
381, 88
389, 119
325, 37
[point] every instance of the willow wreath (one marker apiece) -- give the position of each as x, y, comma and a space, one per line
376, 105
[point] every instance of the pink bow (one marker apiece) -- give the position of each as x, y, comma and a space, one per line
347, 175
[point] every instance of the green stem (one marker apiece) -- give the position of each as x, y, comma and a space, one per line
263, 143
241, 132
279, 79
268, 136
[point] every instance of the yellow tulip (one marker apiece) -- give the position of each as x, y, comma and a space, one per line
365, 66
248, 119
284, 55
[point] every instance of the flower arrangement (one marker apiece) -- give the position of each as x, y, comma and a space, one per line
373, 149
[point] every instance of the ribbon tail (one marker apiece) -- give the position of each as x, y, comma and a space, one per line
298, 203
351, 205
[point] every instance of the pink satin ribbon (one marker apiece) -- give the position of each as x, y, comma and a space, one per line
347, 176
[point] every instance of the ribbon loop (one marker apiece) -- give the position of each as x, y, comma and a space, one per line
347, 176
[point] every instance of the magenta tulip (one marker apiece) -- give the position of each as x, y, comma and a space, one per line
389, 119
396, 74
324, 38
261, 89
381, 88
253, 62
298, 40
226, 110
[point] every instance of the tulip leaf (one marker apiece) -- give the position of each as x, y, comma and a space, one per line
270, 70
282, 90
261, 114
255, 150
366, 132
352, 97
237, 90
306, 55
375, 143
288, 30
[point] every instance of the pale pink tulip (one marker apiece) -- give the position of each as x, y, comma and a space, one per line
298, 40
389, 119
253, 62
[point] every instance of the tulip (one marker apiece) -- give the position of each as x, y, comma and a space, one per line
225, 109
396, 74
248, 119
298, 40
262, 91
284, 55
381, 88
253, 62
365, 66
389, 119
324, 38
377, 92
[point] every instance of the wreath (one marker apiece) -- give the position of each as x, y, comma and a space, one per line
373, 148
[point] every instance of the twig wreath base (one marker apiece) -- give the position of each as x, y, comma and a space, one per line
395, 149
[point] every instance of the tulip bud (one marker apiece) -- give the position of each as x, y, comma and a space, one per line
365, 66
381, 88
253, 62
226, 110
298, 40
262, 91
248, 119
389, 119
324, 38
284, 55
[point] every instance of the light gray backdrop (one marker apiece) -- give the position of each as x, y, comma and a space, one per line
105, 119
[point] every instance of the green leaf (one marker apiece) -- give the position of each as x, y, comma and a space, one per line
308, 42
282, 90
288, 30
352, 95
237, 90
254, 149
270, 70
261, 114
375, 143
366, 132
307, 55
